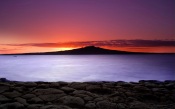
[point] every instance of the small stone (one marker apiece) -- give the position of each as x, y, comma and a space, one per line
54, 85
34, 106
28, 96
47, 91
3, 88
21, 100
14, 105
141, 89
30, 84
13, 94
67, 89
121, 106
51, 97
72, 101
78, 86
106, 105
90, 105
35, 100
3, 99
138, 105
55, 107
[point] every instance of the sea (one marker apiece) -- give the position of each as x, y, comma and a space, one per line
82, 68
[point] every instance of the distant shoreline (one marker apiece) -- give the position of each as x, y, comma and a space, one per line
145, 94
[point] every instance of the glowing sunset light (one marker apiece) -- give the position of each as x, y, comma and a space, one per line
48, 25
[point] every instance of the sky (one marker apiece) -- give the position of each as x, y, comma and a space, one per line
54, 25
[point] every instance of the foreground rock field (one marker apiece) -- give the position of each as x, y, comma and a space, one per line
87, 95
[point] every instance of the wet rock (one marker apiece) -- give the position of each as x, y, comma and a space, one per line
78, 86
105, 105
62, 83
121, 106
28, 96
55, 107
67, 89
21, 100
14, 105
54, 85
47, 91
138, 105
35, 100
4, 88
3, 99
51, 97
34, 106
141, 89
13, 94
117, 99
90, 106
30, 84
72, 101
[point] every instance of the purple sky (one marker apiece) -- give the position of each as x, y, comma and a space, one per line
53, 21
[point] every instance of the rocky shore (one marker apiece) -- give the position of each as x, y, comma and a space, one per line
87, 95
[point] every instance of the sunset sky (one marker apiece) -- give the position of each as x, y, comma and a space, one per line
53, 25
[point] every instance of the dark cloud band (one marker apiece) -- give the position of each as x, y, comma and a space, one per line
112, 43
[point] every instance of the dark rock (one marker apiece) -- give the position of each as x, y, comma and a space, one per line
4, 99
47, 91
90, 106
34, 106
105, 105
138, 105
72, 101
35, 100
98, 89
43, 86
30, 84
121, 106
28, 96
13, 94
21, 100
51, 97
55, 107
78, 86
141, 89
67, 89
14, 105
54, 85
117, 99
4, 88
62, 84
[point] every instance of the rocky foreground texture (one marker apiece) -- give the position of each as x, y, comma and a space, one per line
87, 95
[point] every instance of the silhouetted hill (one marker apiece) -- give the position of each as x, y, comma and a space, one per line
83, 51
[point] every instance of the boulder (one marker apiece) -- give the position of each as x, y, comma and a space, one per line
4, 88
4, 99
47, 91
21, 100
35, 100
51, 97
55, 107
105, 105
14, 105
90, 106
138, 105
13, 94
67, 89
72, 101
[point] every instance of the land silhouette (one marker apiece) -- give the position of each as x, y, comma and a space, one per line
88, 50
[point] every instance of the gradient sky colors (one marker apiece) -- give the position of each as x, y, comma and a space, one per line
49, 25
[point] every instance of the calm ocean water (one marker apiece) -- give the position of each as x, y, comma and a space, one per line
88, 67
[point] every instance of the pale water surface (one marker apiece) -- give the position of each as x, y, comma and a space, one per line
87, 67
